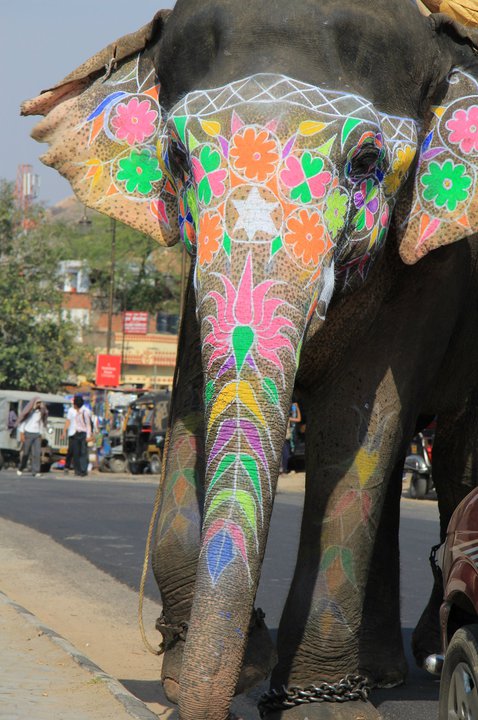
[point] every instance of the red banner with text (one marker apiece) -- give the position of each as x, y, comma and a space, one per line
108, 370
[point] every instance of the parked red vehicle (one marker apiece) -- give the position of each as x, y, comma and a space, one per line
458, 560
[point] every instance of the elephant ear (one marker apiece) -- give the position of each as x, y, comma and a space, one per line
444, 208
104, 127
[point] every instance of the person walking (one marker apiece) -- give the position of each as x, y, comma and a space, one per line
295, 417
81, 437
32, 424
70, 429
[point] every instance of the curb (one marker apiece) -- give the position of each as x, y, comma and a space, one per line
135, 707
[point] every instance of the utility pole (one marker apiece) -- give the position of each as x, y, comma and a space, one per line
109, 336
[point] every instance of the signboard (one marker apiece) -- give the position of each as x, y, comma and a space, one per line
108, 370
135, 323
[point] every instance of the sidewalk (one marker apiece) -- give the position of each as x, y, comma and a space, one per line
43, 677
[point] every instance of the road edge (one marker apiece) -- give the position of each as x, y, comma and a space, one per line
133, 706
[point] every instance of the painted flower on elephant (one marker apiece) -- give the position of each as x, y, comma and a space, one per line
306, 236
139, 171
305, 177
253, 154
134, 121
464, 129
446, 184
209, 236
246, 323
208, 174
366, 200
400, 168
335, 212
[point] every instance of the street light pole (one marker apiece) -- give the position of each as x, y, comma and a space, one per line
109, 336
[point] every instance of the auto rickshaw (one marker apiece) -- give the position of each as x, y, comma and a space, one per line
144, 432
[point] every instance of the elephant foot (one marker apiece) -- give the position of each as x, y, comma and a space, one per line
386, 671
353, 710
259, 659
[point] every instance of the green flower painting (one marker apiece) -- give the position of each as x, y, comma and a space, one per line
446, 184
139, 171
335, 212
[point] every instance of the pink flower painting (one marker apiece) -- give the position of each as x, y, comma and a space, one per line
134, 121
246, 324
464, 129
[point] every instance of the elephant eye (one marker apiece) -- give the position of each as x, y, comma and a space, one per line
364, 162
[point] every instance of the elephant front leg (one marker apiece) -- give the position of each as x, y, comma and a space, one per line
353, 441
176, 546
382, 657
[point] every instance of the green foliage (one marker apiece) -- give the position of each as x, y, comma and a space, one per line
38, 350
147, 277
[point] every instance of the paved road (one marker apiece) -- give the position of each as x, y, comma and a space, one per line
106, 521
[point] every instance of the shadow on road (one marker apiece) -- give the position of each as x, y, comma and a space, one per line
420, 688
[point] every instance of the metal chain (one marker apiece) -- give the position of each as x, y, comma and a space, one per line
351, 687
170, 633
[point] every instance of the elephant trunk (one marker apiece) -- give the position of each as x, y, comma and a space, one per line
249, 347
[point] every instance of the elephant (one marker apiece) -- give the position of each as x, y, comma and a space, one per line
307, 155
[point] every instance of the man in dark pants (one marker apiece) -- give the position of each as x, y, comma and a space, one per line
32, 425
81, 437
69, 429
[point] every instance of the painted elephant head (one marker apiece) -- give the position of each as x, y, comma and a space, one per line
277, 151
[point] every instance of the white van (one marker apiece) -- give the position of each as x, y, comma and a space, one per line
12, 403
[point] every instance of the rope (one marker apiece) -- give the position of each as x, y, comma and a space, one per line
159, 493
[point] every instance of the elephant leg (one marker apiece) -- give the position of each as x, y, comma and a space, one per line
176, 546
382, 656
354, 439
455, 474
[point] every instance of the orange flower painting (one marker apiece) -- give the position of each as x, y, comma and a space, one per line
254, 154
306, 237
210, 234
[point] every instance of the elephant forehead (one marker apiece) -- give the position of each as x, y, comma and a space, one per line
265, 90
271, 165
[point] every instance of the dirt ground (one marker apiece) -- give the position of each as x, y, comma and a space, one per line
39, 680
86, 606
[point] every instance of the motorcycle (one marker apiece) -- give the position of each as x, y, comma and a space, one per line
417, 470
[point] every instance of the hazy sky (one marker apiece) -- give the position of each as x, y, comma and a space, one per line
41, 41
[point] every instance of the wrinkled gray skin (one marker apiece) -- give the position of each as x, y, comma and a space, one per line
403, 343
400, 345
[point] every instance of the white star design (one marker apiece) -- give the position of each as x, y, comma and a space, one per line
255, 215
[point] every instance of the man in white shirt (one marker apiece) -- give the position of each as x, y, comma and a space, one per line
32, 425
69, 428
83, 432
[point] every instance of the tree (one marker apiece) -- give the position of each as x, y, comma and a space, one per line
38, 349
147, 276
